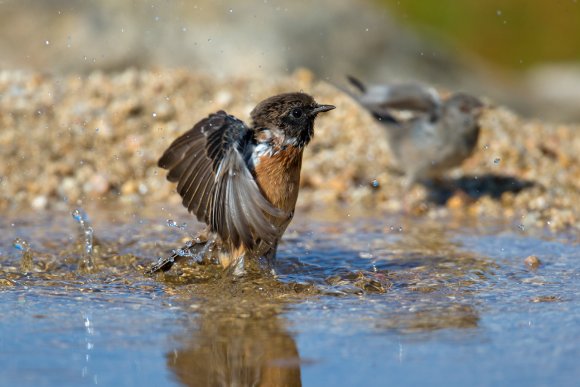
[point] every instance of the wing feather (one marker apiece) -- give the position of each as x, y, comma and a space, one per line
216, 184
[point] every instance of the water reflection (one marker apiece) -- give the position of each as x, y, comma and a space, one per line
237, 341
451, 316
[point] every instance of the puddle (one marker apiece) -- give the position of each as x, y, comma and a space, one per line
357, 301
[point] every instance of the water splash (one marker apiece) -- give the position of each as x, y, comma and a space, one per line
195, 248
23, 246
87, 233
173, 224
187, 251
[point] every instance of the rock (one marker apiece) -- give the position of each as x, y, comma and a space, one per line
532, 262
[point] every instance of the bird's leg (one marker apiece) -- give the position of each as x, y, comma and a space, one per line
270, 258
233, 261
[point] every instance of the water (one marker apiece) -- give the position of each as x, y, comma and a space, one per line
358, 301
86, 232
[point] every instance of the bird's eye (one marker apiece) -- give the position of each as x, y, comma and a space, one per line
297, 113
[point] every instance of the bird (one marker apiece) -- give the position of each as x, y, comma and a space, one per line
439, 135
241, 180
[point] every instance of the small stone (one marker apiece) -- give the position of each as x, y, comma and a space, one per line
459, 200
532, 262
164, 111
97, 185
546, 299
39, 202
129, 187
223, 97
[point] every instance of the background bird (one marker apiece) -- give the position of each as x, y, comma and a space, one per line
242, 181
440, 134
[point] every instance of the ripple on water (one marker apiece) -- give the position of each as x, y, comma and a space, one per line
348, 294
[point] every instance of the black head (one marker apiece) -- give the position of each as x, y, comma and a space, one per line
289, 115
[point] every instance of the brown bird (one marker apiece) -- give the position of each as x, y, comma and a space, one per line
242, 181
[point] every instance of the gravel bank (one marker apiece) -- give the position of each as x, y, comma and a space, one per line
96, 138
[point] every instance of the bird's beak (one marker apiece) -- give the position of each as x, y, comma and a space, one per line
322, 108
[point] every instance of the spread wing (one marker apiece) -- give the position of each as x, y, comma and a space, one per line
378, 99
216, 184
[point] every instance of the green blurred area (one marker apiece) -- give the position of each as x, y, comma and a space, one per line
510, 33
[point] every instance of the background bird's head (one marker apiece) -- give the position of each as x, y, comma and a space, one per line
289, 117
463, 109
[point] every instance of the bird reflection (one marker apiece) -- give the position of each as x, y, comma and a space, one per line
237, 343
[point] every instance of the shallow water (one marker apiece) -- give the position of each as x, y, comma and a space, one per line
357, 301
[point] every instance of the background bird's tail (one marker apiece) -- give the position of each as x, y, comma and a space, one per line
382, 115
356, 83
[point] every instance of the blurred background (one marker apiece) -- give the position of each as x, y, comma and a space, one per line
522, 53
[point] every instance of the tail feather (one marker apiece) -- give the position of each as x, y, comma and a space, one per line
356, 83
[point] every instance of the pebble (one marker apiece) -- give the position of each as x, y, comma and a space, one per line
39, 202
532, 262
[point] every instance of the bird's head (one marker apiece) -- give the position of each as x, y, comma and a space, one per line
464, 108
289, 117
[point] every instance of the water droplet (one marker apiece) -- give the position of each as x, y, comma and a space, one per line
47, 42
154, 115
86, 231
498, 12
496, 161
485, 147
171, 223
77, 215
375, 183
521, 227
231, 10
21, 245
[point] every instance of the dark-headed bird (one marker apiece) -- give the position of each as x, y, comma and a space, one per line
241, 181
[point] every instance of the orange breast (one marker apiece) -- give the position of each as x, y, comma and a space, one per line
278, 177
